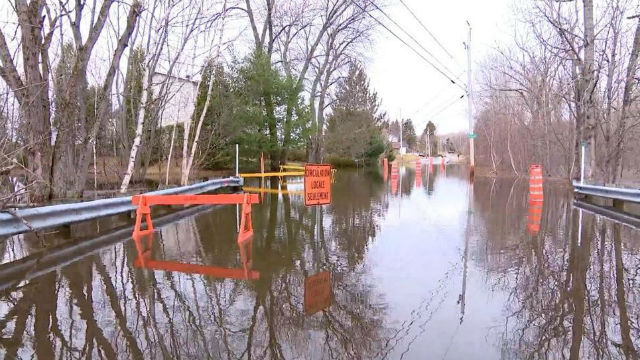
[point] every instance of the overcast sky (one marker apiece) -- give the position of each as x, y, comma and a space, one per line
407, 84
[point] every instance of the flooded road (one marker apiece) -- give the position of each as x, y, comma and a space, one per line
433, 267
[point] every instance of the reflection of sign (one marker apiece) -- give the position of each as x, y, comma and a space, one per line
317, 292
317, 184
472, 135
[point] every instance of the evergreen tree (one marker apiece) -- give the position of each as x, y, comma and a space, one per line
353, 127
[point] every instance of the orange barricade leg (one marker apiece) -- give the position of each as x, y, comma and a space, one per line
143, 210
246, 227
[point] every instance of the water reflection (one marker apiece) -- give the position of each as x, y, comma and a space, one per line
445, 269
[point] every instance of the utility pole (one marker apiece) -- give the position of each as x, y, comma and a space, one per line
428, 142
401, 131
472, 160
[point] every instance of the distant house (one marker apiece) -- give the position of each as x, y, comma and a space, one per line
181, 98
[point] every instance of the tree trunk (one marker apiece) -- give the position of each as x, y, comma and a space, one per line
588, 84
32, 93
137, 139
173, 136
632, 68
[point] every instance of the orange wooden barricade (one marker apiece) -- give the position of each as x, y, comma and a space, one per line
144, 203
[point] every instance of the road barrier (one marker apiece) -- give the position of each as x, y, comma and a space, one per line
536, 191
385, 169
536, 199
418, 173
56, 257
144, 260
272, 191
291, 167
624, 194
269, 174
394, 170
39, 218
144, 202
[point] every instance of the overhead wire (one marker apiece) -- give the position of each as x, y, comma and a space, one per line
409, 46
427, 30
414, 40
439, 94
445, 107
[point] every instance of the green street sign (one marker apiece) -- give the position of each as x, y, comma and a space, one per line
472, 136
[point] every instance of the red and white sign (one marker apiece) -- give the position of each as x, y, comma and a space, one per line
317, 184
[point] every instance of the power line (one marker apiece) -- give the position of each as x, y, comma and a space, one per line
407, 45
439, 94
414, 40
445, 107
427, 30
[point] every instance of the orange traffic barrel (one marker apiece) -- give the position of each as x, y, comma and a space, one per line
385, 169
394, 170
536, 190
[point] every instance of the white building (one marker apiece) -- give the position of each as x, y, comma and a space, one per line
181, 98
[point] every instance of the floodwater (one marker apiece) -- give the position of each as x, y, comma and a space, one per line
427, 268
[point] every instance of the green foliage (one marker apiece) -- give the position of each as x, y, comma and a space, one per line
341, 162
133, 89
264, 95
62, 75
248, 106
352, 128
408, 134
430, 131
219, 128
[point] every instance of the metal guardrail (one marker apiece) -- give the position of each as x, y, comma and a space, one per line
63, 214
609, 213
49, 260
625, 194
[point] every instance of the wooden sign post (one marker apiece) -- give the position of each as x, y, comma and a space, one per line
317, 184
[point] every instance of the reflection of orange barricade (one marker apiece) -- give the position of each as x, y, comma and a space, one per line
144, 203
430, 164
418, 173
145, 261
442, 163
536, 199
